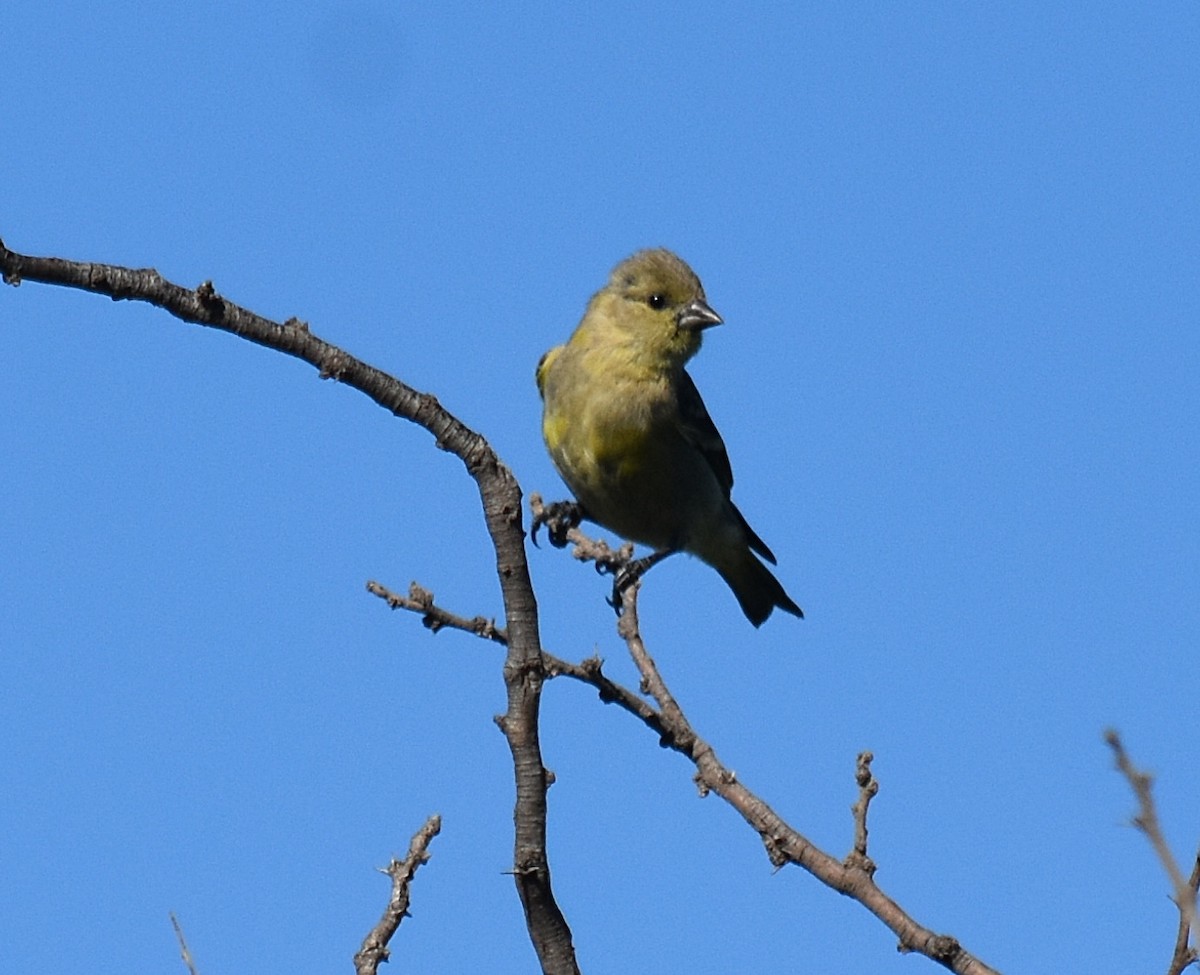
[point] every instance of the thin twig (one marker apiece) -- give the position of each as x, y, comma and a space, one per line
868, 789
183, 948
375, 945
435, 618
1146, 820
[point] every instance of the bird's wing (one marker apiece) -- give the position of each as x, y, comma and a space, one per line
700, 431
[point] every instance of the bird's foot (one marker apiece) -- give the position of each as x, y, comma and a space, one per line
631, 573
559, 517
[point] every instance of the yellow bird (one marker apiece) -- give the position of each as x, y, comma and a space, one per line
629, 433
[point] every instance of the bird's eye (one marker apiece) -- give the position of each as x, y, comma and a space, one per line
657, 301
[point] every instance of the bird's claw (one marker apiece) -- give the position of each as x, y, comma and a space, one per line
559, 517
625, 576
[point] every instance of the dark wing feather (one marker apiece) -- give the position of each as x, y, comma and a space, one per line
702, 433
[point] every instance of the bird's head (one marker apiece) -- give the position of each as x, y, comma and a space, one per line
657, 301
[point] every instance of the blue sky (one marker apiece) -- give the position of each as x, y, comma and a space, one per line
956, 248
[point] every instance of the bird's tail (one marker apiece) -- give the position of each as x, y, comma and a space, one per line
758, 592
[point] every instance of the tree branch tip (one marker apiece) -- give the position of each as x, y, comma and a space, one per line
12, 277
431, 828
184, 951
377, 589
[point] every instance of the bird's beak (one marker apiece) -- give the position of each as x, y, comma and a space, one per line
698, 315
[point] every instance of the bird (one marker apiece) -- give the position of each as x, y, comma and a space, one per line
629, 433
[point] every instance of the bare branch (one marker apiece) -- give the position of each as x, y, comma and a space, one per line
1146, 820
183, 948
375, 945
868, 789
501, 499
433, 617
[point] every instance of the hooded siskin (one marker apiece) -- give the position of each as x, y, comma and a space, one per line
629, 433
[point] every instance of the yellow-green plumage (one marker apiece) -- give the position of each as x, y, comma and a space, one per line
629, 433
